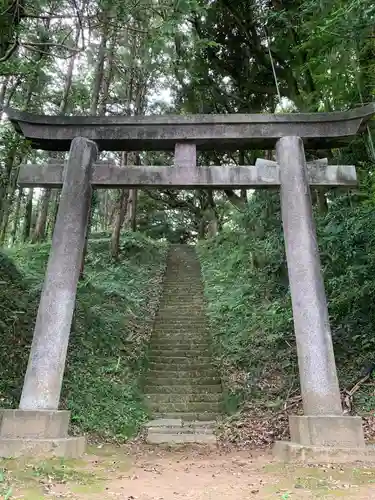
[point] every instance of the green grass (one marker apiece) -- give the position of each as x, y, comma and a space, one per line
249, 306
107, 353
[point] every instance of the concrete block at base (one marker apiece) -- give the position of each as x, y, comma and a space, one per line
34, 424
337, 431
292, 452
69, 447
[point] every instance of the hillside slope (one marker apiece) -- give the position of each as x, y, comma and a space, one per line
116, 304
246, 285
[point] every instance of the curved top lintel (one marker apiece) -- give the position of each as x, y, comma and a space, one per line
158, 132
363, 112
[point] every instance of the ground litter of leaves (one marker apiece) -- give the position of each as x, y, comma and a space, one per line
139, 472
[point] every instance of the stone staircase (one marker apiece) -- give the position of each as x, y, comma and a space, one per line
183, 389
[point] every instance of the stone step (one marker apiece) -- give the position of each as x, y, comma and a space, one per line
183, 389
168, 381
180, 337
192, 291
193, 278
180, 360
187, 364
182, 315
173, 319
178, 352
179, 348
183, 286
182, 298
174, 438
214, 397
173, 326
181, 374
189, 416
184, 304
197, 308
180, 343
181, 304
177, 329
182, 380
213, 407
192, 274
175, 350
195, 369
179, 426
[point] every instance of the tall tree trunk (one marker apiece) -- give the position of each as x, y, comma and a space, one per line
40, 228
53, 215
322, 201
119, 220
95, 96
28, 215
121, 210
7, 207
16, 156
16, 216
3, 89
131, 210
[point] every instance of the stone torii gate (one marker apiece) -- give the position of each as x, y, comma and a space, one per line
323, 432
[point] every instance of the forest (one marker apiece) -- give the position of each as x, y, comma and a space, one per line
142, 57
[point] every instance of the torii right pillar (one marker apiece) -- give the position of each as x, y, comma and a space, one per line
323, 428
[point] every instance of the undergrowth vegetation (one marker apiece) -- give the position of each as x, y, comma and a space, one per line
249, 305
116, 303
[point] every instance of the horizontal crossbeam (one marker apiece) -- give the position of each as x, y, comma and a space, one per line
263, 175
207, 132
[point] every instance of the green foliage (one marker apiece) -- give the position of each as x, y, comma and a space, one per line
248, 299
16, 323
116, 302
249, 303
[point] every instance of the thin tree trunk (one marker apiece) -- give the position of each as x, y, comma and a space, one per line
15, 157
52, 218
97, 87
121, 211
28, 215
119, 220
40, 226
131, 210
16, 216
322, 201
7, 207
99, 72
3, 89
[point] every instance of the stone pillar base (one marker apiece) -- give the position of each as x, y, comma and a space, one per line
318, 439
293, 452
38, 432
344, 432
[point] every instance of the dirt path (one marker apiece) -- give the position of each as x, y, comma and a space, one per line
195, 474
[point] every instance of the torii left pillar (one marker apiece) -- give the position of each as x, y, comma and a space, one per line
38, 426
